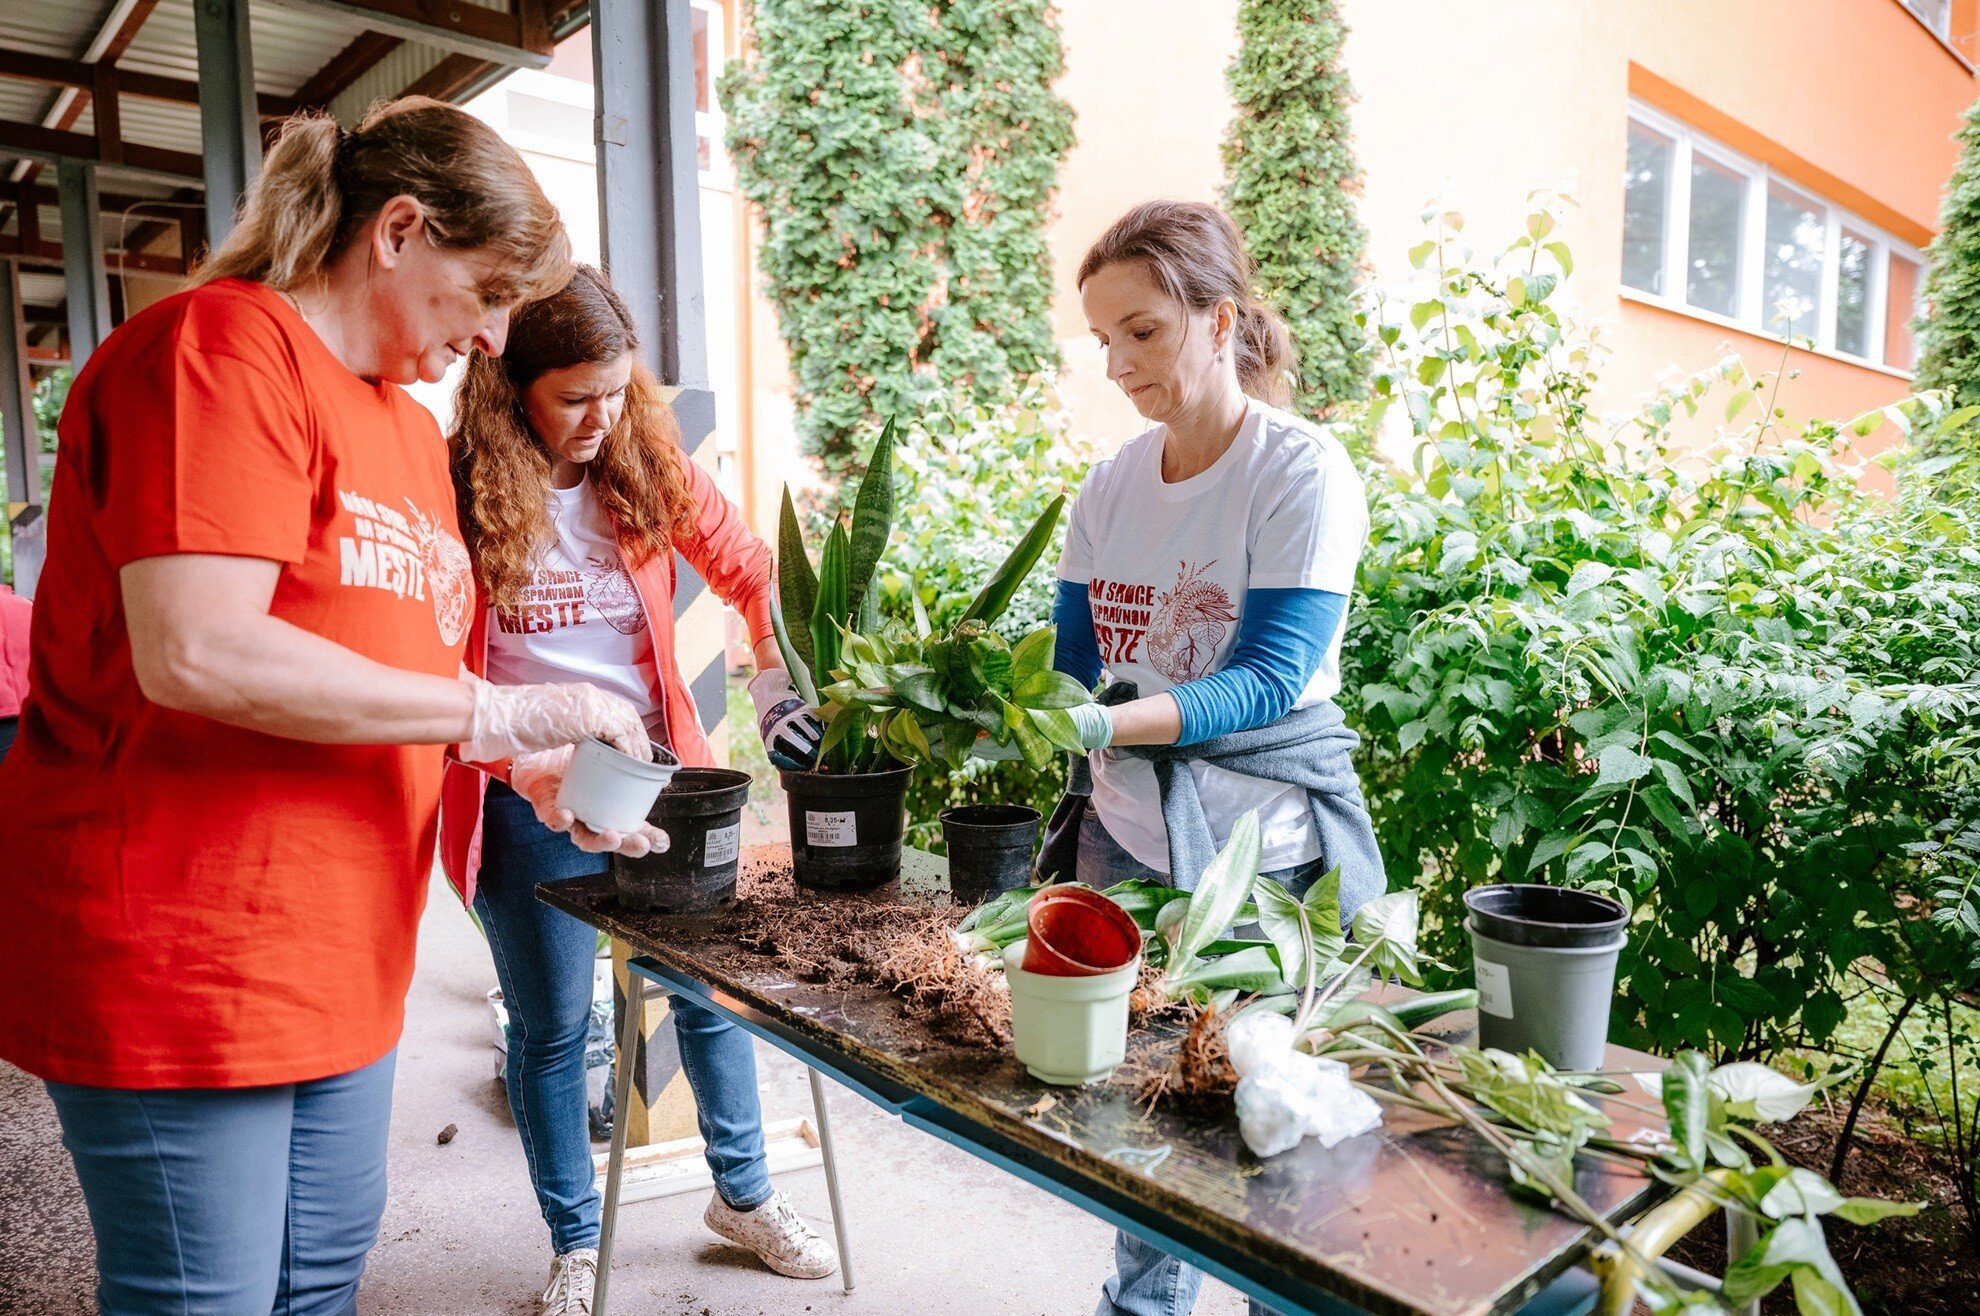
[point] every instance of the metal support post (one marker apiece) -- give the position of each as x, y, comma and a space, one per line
229, 116
88, 284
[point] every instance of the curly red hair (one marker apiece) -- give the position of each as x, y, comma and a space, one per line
502, 470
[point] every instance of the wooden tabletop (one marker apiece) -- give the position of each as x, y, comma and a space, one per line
1413, 1218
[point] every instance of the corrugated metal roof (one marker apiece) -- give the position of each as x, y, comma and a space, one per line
289, 45
391, 76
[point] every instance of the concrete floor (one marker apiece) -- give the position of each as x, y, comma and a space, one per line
934, 1231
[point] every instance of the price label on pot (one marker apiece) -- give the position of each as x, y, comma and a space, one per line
829, 829
724, 843
1494, 988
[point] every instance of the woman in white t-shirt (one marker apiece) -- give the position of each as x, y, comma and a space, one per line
1209, 563
574, 498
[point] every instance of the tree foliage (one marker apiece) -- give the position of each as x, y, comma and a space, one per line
904, 192
1949, 356
1290, 184
1722, 685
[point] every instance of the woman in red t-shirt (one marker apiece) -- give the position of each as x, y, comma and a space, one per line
246, 662
575, 497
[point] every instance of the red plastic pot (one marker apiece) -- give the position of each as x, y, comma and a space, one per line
1076, 932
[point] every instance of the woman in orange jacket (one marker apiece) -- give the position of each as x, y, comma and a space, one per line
574, 496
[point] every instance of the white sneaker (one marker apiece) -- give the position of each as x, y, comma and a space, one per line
777, 1234
572, 1278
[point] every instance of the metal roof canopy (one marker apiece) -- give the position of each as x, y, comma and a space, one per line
128, 129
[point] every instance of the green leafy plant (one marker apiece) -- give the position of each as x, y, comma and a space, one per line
1949, 338
834, 600
1290, 182
902, 161
930, 696
1716, 680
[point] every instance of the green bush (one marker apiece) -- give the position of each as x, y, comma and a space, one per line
969, 480
1721, 684
904, 193
1290, 185
1949, 344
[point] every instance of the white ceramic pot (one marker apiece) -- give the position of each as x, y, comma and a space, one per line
613, 792
1068, 1031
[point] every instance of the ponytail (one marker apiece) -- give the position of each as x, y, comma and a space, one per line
320, 185
291, 214
1196, 255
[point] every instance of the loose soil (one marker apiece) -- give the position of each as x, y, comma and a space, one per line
904, 948
1191, 1072
1921, 1266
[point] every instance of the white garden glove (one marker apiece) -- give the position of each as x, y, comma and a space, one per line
536, 778
791, 733
514, 719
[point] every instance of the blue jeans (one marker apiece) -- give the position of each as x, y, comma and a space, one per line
1148, 1281
231, 1201
543, 960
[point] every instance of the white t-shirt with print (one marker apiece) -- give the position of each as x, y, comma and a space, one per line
1167, 568
580, 618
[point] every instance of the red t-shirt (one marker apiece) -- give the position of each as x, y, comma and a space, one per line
185, 903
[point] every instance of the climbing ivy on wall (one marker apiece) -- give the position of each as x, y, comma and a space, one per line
1950, 346
1290, 181
902, 158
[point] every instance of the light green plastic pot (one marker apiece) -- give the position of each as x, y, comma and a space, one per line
1068, 1031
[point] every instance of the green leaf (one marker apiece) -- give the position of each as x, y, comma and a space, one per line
830, 611
1256, 969
797, 585
1619, 765
1800, 1192
1032, 654
1386, 927
1002, 586
1049, 690
796, 663
872, 520
921, 689
1306, 933
1688, 1105
1793, 1245
1220, 890
1057, 726
1869, 1210
1752, 1091
1559, 251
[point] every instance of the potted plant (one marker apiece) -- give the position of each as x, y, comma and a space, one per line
894, 695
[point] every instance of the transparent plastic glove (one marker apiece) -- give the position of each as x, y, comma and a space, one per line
791, 733
536, 778
515, 719
1094, 724
991, 752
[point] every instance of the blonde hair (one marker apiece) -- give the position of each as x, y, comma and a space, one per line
320, 185
1196, 255
501, 469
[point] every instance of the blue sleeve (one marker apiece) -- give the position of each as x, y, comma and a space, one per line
1076, 651
1282, 636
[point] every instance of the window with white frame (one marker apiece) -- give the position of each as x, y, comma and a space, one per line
1707, 231
1935, 14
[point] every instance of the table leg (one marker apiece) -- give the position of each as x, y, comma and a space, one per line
831, 1179
636, 989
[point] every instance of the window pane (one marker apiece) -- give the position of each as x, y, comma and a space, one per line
1646, 187
534, 114
1718, 207
1796, 232
1900, 305
1853, 295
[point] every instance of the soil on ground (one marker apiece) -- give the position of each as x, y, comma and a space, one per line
1925, 1265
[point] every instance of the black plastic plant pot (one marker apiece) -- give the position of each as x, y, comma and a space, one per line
990, 848
701, 812
1544, 958
1529, 914
846, 828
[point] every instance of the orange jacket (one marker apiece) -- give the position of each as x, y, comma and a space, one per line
736, 565
14, 614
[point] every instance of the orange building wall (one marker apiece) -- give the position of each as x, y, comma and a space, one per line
1478, 103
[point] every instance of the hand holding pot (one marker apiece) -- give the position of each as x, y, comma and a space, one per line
515, 719
536, 778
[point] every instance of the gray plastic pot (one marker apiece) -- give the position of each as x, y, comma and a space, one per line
1545, 963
